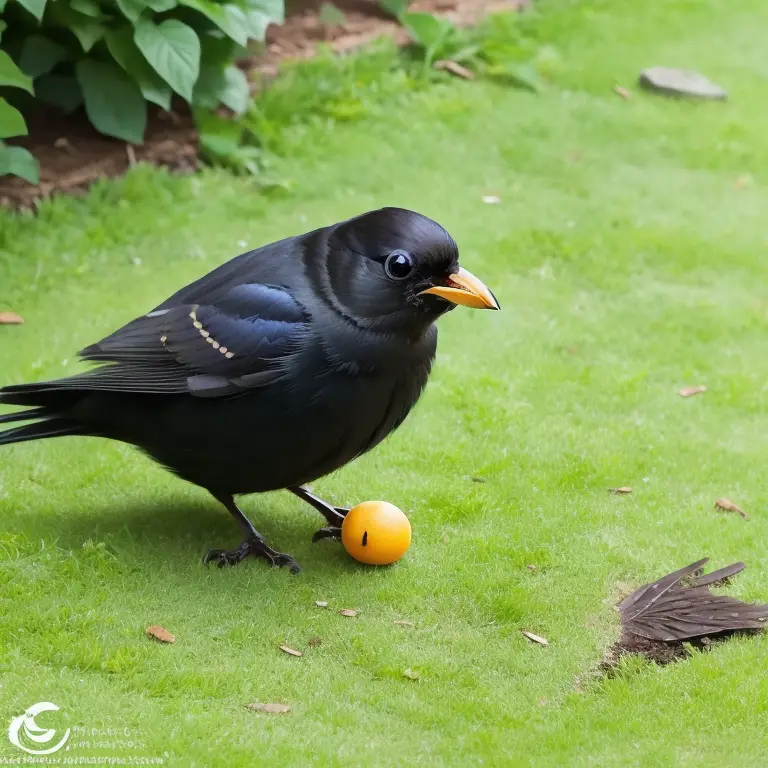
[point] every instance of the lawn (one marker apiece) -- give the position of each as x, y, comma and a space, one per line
628, 253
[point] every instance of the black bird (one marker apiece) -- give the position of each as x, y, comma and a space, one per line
274, 369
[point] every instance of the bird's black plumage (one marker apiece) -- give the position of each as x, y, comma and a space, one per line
274, 369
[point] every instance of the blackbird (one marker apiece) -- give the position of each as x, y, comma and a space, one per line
273, 370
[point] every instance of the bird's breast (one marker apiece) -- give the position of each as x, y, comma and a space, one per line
293, 431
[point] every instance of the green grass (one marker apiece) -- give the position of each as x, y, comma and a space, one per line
629, 263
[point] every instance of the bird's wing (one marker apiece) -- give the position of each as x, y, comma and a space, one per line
242, 341
644, 597
670, 611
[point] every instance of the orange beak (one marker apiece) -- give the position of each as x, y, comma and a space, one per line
465, 289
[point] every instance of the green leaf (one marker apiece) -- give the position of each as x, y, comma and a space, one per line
209, 85
395, 7
113, 102
330, 15
86, 7
126, 53
218, 135
257, 23
520, 75
230, 19
3, 25
87, 30
465, 54
11, 121
274, 10
161, 6
425, 29
173, 50
219, 51
235, 93
62, 91
215, 55
39, 55
11, 75
18, 161
131, 9
2, 8
35, 7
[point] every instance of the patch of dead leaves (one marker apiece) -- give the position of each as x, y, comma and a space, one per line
270, 708
728, 506
161, 634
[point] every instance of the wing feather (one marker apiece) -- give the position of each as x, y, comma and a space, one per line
244, 340
671, 610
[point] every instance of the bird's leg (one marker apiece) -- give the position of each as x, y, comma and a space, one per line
334, 515
253, 545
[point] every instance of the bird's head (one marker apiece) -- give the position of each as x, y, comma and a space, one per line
395, 267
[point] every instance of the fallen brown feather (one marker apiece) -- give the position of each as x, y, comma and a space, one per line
403, 622
664, 619
536, 638
321, 603
621, 490
348, 612
290, 651
680, 607
623, 92
11, 318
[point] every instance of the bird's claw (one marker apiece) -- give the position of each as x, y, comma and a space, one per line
329, 532
251, 548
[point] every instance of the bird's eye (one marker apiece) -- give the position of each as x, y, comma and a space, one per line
398, 265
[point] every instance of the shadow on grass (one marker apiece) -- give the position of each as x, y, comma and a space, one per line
180, 532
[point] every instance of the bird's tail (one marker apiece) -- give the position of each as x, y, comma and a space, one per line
49, 417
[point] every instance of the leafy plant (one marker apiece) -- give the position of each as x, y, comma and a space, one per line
395, 8
15, 160
115, 56
437, 38
498, 48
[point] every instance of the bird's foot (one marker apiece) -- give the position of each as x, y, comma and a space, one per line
251, 547
329, 532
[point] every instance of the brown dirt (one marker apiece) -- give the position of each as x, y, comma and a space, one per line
73, 155
660, 652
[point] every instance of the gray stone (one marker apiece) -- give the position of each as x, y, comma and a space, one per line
681, 82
